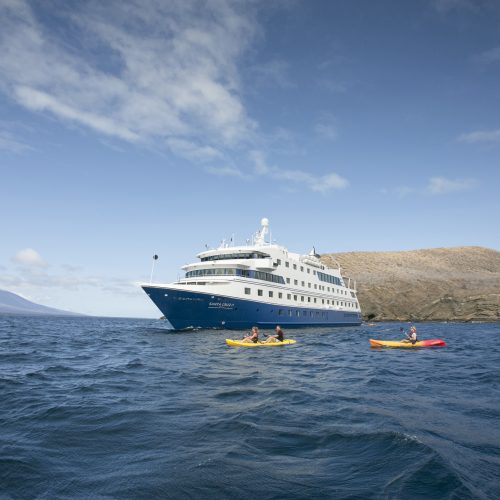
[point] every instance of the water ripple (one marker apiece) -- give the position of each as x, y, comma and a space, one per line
119, 408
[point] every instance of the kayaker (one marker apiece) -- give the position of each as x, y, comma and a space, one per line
279, 337
254, 337
411, 336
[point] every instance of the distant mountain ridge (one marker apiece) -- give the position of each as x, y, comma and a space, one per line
437, 284
11, 303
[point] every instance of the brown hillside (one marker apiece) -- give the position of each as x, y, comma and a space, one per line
439, 284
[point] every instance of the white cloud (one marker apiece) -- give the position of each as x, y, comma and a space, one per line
320, 183
326, 182
435, 186
40, 101
481, 136
29, 257
31, 278
174, 67
151, 73
226, 172
442, 185
192, 151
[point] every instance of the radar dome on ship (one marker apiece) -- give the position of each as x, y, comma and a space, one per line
264, 222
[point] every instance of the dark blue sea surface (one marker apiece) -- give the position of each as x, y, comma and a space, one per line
122, 408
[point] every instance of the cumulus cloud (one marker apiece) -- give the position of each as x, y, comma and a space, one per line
442, 185
29, 257
480, 136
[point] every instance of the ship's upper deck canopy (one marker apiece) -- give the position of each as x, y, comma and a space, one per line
234, 254
259, 247
256, 248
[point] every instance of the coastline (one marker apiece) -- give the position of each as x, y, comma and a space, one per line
460, 284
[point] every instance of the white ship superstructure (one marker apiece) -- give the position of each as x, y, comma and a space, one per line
261, 284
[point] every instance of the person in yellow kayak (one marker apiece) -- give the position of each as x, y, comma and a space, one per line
279, 337
254, 337
411, 336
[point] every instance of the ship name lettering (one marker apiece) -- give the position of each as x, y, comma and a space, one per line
221, 304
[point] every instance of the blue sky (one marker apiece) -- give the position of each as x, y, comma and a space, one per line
128, 128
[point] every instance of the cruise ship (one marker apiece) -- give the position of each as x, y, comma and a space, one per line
260, 283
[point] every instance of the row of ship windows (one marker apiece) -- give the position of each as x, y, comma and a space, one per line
317, 287
287, 264
289, 296
323, 314
230, 271
258, 255
322, 276
274, 278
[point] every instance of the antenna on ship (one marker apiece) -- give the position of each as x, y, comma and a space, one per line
155, 258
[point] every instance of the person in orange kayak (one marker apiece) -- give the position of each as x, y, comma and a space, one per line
279, 337
254, 337
411, 336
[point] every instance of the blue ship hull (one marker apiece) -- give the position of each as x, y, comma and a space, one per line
185, 309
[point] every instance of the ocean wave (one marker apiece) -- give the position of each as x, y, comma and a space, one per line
88, 411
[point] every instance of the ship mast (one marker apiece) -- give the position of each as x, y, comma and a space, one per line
260, 237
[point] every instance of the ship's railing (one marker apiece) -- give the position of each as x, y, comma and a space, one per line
349, 283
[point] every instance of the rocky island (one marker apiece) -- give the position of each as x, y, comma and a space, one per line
11, 303
438, 284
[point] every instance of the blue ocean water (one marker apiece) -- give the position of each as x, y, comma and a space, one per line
122, 408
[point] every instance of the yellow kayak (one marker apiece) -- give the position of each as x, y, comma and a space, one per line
422, 343
239, 343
